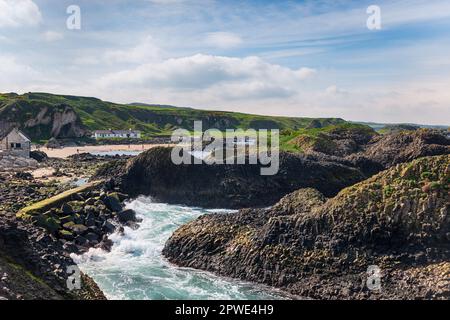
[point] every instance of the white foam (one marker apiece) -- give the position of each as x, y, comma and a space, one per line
135, 268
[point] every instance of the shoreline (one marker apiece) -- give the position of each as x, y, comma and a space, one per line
66, 152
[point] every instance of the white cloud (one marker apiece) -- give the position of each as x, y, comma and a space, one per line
144, 52
86, 60
223, 40
334, 90
238, 76
51, 36
15, 74
15, 13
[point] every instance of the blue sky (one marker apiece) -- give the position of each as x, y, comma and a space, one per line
295, 58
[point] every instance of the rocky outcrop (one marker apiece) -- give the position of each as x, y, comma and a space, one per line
397, 221
363, 148
338, 141
358, 153
230, 186
36, 244
81, 219
9, 162
404, 146
41, 120
33, 265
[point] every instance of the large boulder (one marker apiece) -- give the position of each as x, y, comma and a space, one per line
231, 186
39, 156
112, 203
126, 216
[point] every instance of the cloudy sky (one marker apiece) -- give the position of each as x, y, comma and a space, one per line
296, 58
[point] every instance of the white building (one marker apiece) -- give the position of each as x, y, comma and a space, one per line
15, 143
122, 134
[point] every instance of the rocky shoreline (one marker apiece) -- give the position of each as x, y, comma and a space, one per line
312, 230
311, 243
322, 248
36, 244
355, 156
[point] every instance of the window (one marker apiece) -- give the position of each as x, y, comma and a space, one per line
12, 145
18, 145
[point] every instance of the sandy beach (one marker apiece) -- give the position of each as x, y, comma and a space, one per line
68, 151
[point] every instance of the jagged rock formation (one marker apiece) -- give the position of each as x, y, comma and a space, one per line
404, 146
370, 152
398, 220
230, 186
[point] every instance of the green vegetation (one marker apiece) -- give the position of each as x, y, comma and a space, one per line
152, 120
319, 138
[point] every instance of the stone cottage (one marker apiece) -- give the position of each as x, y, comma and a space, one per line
15, 143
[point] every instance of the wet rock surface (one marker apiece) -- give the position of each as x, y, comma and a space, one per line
85, 220
34, 265
35, 252
41, 244
397, 220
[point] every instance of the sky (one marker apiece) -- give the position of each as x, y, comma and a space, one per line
293, 58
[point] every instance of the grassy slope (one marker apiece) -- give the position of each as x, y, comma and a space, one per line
152, 119
158, 120
318, 135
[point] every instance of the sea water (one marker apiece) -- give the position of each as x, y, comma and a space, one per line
136, 269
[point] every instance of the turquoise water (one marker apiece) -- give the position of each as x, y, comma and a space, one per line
135, 268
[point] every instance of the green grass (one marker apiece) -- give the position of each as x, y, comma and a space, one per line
319, 136
152, 120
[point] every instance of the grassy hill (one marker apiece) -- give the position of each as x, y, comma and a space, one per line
43, 115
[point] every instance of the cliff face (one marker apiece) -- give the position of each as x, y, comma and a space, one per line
398, 220
41, 120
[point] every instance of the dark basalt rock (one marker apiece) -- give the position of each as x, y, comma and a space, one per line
127, 216
113, 203
24, 175
322, 248
39, 156
404, 146
348, 156
39, 265
231, 186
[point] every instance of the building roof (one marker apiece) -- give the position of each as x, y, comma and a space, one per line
6, 133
